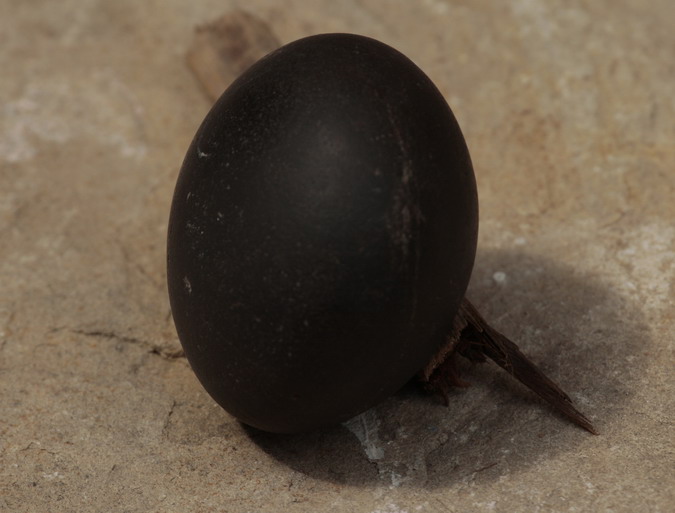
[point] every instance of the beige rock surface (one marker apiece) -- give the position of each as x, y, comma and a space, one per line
569, 112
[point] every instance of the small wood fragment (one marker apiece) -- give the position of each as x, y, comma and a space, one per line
226, 47
473, 338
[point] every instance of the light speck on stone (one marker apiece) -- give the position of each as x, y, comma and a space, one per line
499, 277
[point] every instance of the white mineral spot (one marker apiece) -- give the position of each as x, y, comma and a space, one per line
188, 285
499, 277
396, 480
365, 428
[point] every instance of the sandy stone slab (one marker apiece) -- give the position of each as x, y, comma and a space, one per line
569, 115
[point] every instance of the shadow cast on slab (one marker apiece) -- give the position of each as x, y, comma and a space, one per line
583, 335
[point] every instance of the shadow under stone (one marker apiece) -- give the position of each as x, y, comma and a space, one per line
583, 335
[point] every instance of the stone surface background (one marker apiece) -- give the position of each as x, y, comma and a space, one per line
569, 112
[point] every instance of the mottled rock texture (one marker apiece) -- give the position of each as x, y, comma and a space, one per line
568, 111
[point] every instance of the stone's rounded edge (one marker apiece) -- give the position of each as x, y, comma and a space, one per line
246, 227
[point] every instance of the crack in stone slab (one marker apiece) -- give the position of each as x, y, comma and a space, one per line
112, 335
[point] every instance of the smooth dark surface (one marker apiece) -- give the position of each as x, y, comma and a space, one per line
322, 233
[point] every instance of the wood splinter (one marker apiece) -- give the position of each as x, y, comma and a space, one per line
226, 47
474, 339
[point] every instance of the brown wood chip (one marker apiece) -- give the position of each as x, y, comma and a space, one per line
226, 47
